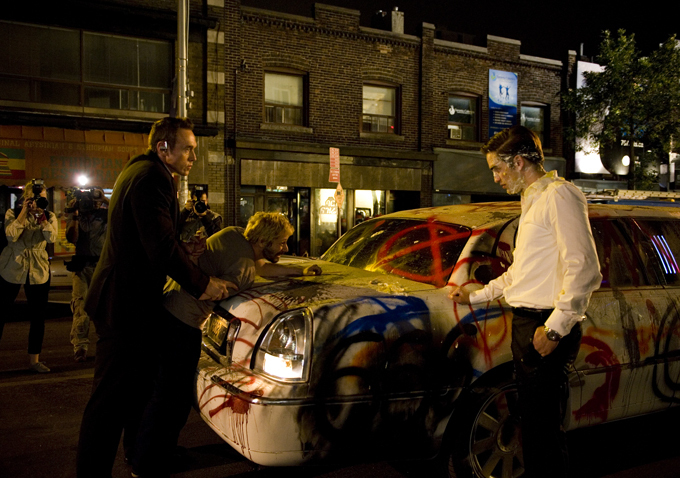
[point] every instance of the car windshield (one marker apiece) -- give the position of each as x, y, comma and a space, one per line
423, 251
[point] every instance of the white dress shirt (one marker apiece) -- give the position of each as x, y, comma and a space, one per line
555, 262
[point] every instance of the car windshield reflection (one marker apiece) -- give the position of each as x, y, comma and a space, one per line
422, 251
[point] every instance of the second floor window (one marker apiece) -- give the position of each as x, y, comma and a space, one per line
379, 113
284, 98
536, 118
77, 68
463, 119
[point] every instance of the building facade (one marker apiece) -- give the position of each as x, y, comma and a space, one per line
272, 94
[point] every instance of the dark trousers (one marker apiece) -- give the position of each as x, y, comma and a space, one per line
543, 392
37, 296
168, 409
123, 379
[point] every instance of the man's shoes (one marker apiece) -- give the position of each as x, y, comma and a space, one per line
39, 367
80, 355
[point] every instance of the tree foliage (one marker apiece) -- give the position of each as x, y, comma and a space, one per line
634, 98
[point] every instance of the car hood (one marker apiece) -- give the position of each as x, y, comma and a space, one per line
338, 288
336, 283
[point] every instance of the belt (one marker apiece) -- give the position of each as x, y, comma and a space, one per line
536, 314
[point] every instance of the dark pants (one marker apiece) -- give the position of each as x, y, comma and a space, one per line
123, 378
543, 392
37, 296
170, 404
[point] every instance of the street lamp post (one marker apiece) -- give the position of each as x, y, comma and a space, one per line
182, 53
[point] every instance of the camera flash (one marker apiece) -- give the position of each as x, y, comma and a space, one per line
82, 180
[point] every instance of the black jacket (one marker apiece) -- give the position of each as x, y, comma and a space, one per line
141, 249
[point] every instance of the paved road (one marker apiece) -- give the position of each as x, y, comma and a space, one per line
40, 416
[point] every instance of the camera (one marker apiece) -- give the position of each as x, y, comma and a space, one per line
37, 188
199, 206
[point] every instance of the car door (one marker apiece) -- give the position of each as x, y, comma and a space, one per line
660, 238
614, 350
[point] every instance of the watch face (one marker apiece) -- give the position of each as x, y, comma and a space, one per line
552, 335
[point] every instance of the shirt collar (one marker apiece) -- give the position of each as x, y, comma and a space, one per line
535, 189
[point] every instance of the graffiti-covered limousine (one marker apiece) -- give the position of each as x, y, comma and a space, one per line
372, 358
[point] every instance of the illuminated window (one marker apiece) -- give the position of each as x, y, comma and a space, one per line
535, 117
379, 111
368, 204
284, 98
463, 121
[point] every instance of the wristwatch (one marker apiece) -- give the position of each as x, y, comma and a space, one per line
551, 334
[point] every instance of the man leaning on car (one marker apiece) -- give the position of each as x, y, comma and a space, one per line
125, 296
231, 254
549, 284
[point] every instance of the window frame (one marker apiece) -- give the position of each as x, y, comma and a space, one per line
304, 109
475, 126
397, 108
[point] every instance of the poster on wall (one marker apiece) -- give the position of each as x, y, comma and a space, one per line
502, 100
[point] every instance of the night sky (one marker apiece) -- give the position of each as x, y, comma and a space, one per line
546, 28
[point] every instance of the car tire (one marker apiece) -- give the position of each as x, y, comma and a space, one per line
485, 437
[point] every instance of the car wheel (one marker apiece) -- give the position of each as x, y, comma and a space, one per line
486, 440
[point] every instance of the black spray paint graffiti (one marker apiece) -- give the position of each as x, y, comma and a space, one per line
666, 354
385, 377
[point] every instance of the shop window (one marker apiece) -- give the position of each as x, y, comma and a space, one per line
368, 204
380, 107
246, 209
535, 117
325, 220
463, 121
284, 98
72, 67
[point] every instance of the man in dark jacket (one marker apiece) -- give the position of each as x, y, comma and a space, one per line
125, 297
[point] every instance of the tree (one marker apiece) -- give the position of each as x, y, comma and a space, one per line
635, 99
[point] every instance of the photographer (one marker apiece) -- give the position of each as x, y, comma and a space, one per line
86, 228
196, 215
29, 227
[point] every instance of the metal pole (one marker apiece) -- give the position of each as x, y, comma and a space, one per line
182, 50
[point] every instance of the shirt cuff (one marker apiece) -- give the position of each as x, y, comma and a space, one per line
478, 297
562, 322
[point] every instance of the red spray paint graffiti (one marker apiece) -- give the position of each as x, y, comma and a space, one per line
438, 235
602, 356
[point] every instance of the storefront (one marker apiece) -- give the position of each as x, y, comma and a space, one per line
293, 180
464, 177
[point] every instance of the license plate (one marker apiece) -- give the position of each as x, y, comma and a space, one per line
217, 330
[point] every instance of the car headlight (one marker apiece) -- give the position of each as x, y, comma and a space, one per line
283, 351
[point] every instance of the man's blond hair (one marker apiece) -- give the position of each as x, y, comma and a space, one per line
267, 226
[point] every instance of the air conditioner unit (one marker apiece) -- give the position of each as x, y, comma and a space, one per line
455, 132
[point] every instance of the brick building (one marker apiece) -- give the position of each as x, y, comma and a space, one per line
272, 93
82, 81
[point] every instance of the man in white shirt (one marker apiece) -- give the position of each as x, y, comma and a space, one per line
554, 272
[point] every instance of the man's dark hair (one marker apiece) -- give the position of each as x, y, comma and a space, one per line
197, 193
515, 141
166, 130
